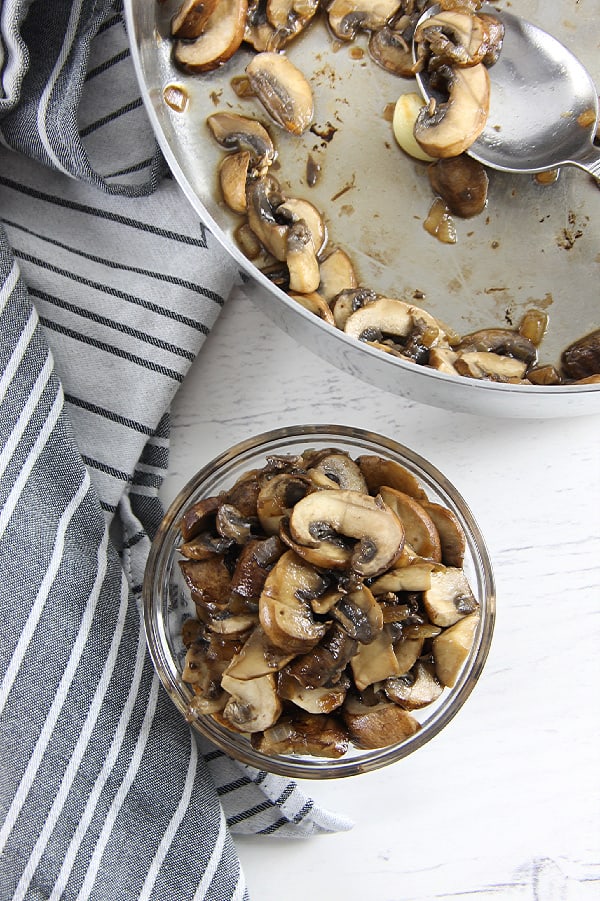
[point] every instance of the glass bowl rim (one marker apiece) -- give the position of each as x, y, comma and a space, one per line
319, 767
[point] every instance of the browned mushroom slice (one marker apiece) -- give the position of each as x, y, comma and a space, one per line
283, 91
502, 341
456, 37
324, 699
462, 183
314, 735
244, 493
337, 274
419, 528
375, 661
221, 37
582, 358
340, 471
204, 546
209, 581
408, 651
489, 365
263, 197
289, 18
347, 17
199, 517
378, 726
453, 125
191, 18
295, 209
232, 625
452, 647
324, 664
257, 657
349, 301
235, 132
390, 46
378, 472
315, 304
415, 689
450, 531
233, 174
276, 498
449, 596
284, 607
413, 577
359, 614
204, 665
253, 565
301, 259
253, 704
411, 330
319, 520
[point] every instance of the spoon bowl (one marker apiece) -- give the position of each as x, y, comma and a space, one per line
543, 104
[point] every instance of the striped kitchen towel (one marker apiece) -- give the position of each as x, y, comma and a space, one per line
108, 287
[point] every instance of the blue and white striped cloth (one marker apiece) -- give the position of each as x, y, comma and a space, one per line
108, 286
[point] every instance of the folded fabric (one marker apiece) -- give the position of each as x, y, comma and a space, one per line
108, 287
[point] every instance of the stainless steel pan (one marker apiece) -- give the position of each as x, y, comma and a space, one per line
532, 246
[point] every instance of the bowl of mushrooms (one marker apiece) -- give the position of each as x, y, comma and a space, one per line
319, 601
359, 222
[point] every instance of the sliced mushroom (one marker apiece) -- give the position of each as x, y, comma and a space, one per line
408, 651
359, 614
235, 132
253, 704
455, 124
253, 565
458, 38
191, 18
378, 726
462, 183
314, 700
317, 521
222, 35
489, 365
233, 174
289, 18
449, 597
320, 736
349, 301
375, 661
582, 358
406, 112
379, 471
209, 581
263, 197
232, 625
412, 329
452, 647
419, 528
295, 209
324, 664
502, 341
443, 359
342, 471
284, 609
283, 91
301, 259
315, 304
337, 274
415, 689
390, 45
257, 657
277, 496
199, 517
347, 17
450, 531
414, 577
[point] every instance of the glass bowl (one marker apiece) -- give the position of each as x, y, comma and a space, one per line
167, 602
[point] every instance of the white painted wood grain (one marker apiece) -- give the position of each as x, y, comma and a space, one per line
506, 802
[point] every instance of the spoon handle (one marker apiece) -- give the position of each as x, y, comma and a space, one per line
589, 161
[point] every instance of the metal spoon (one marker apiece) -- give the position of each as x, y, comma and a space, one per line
543, 104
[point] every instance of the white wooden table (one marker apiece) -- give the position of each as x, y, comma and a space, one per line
505, 803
